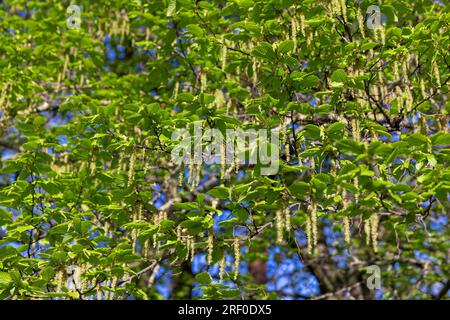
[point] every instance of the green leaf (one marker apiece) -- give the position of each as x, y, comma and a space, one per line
195, 30
219, 192
299, 189
264, 50
203, 278
285, 46
339, 76
417, 139
5, 278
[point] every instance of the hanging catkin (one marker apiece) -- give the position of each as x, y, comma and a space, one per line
302, 25
222, 267
286, 141
279, 225
197, 176
151, 279
287, 219
294, 31
374, 231
346, 219
360, 19
210, 247
191, 174
224, 54
237, 257
192, 247
367, 231
309, 233
131, 167
59, 277
335, 6
255, 72
181, 176
66, 64
175, 90
236, 158
423, 127
444, 123
202, 82
222, 160
219, 99
423, 91
347, 229
355, 130
436, 72
99, 292
382, 32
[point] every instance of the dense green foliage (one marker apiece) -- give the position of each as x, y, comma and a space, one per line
90, 203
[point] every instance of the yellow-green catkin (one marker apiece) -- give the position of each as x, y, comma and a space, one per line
409, 99
192, 248
356, 185
367, 231
229, 105
314, 226
219, 99
343, 6
223, 159
222, 267
444, 123
374, 231
191, 174
137, 216
59, 281
237, 257
181, 176
423, 91
146, 249
255, 72
151, 279
423, 127
279, 225
309, 233
99, 292
303, 25
294, 31
287, 219
382, 32
347, 229
175, 90
111, 295
224, 54
202, 82
197, 176
360, 19
132, 166
346, 219
436, 72
285, 128
355, 130
335, 6
312, 163
210, 247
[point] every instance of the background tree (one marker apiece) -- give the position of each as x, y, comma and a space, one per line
92, 207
